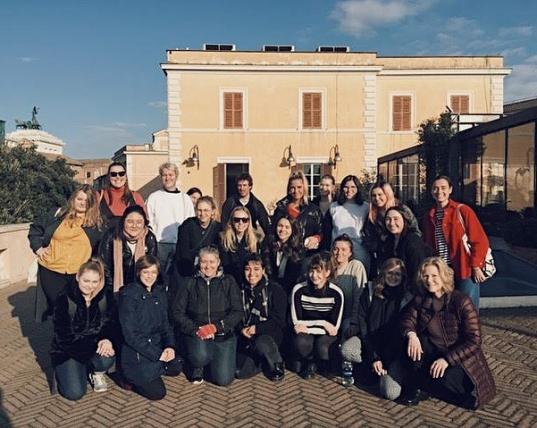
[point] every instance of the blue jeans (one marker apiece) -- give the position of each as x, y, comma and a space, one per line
72, 375
219, 355
470, 288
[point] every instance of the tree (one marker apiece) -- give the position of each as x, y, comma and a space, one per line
435, 154
31, 185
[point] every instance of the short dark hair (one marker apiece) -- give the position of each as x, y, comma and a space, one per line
145, 262
322, 261
404, 214
129, 210
193, 190
330, 177
245, 177
254, 258
444, 177
344, 238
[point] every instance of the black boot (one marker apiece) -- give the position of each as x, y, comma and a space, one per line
308, 370
277, 373
413, 397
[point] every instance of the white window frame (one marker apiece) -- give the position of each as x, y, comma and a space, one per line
412, 96
244, 92
323, 93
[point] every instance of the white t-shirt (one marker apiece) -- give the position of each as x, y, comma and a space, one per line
166, 212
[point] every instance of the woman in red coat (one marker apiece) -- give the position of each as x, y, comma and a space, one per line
444, 342
443, 228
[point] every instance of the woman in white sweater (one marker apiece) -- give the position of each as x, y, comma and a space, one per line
347, 216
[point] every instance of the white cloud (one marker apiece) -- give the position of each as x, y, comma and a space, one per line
28, 59
522, 83
359, 17
116, 127
157, 104
520, 31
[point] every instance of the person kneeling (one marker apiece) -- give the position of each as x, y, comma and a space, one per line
316, 312
85, 327
261, 332
207, 310
148, 350
444, 342
375, 319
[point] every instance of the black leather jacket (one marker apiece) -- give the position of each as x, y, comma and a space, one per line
106, 252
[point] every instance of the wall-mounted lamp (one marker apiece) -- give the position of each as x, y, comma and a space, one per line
193, 157
333, 160
290, 159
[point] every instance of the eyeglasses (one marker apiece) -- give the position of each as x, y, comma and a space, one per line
241, 220
117, 173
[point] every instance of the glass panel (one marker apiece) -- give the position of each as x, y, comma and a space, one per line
383, 171
392, 173
521, 167
493, 167
471, 170
408, 185
312, 171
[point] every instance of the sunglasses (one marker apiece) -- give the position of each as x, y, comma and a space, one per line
241, 219
117, 174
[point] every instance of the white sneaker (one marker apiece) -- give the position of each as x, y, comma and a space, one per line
98, 381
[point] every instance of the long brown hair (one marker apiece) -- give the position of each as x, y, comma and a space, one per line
92, 216
380, 282
127, 196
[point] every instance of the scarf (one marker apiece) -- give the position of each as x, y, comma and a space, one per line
252, 313
139, 251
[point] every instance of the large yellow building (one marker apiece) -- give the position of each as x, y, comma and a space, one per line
267, 112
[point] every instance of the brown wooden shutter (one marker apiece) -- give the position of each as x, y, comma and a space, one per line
311, 110
460, 104
219, 184
401, 113
233, 110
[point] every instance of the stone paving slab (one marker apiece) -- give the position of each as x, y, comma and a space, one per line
510, 344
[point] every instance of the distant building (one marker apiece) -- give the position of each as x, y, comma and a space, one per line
328, 111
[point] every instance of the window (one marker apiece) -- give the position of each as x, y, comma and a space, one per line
521, 167
460, 104
493, 169
401, 113
311, 110
233, 110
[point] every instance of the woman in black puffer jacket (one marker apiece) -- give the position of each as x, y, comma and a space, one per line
123, 245
148, 351
207, 309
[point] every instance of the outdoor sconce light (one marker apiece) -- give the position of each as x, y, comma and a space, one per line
332, 161
193, 157
290, 159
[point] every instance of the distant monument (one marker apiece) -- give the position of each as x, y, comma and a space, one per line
30, 133
29, 124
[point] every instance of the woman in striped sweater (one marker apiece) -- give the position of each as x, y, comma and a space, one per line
316, 312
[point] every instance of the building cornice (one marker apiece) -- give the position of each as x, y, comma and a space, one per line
269, 68
448, 72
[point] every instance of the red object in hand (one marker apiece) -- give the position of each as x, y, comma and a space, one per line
205, 331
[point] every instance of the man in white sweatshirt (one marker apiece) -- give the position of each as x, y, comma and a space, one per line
167, 208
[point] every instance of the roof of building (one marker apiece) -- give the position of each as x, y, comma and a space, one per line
33, 135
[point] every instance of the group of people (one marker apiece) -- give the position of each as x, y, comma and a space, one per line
335, 284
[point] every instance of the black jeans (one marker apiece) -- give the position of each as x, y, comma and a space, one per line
252, 352
155, 389
312, 346
72, 375
54, 284
454, 387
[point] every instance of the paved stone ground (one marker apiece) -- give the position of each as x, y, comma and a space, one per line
510, 343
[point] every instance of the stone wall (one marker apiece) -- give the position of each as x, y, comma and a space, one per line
16, 257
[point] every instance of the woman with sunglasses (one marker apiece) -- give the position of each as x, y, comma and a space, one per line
116, 195
237, 242
63, 240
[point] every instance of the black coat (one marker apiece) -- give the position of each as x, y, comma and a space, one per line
146, 331
42, 229
200, 301
233, 261
191, 237
411, 249
376, 321
288, 274
106, 252
78, 328
270, 309
257, 210
310, 220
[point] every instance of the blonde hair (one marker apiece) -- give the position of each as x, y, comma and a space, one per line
95, 264
92, 216
380, 282
169, 166
444, 271
229, 238
390, 202
299, 175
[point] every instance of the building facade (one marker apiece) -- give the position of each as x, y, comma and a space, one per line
270, 112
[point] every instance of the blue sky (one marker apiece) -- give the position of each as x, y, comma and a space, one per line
93, 66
